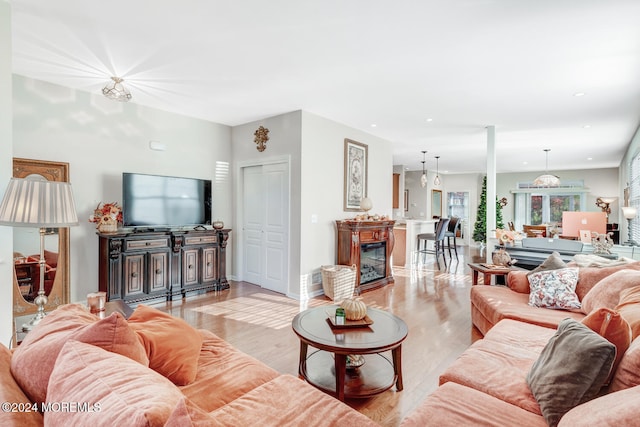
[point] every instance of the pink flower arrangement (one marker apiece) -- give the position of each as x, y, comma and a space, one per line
505, 236
108, 213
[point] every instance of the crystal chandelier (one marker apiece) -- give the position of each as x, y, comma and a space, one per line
423, 178
546, 179
115, 90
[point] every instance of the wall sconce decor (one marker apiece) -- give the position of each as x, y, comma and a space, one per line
604, 202
261, 138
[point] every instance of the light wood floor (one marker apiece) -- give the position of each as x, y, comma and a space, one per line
434, 304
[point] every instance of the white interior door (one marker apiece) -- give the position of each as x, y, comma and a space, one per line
266, 226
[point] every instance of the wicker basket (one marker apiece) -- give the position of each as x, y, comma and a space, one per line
338, 281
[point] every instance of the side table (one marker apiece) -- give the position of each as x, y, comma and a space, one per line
326, 368
489, 270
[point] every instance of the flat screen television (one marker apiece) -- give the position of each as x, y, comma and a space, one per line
165, 201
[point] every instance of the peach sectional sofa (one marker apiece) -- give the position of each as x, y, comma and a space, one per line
538, 366
150, 370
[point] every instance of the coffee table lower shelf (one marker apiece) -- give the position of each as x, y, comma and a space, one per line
374, 377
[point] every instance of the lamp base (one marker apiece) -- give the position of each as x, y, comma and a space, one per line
28, 327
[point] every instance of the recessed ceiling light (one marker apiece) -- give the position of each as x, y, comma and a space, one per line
579, 94
525, 163
374, 125
586, 126
589, 158
429, 120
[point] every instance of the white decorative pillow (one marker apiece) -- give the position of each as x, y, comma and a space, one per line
554, 289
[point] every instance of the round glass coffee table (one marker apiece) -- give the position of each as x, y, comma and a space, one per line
326, 367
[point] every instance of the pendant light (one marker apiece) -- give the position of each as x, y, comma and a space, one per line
546, 179
437, 181
116, 91
423, 178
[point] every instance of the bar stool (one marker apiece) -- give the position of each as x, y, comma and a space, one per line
438, 241
452, 231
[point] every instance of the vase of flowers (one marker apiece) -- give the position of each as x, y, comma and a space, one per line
107, 216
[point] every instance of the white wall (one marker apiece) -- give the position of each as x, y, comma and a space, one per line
6, 149
284, 143
322, 177
100, 139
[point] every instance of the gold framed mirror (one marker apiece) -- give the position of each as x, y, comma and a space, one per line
57, 256
436, 203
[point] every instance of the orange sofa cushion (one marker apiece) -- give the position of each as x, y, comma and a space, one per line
498, 302
10, 392
172, 345
589, 276
617, 409
628, 373
454, 405
270, 406
34, 359
120, 391
629, 308
606, 293
518, 281
223, 367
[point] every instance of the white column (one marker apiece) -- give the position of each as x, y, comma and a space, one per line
491, 187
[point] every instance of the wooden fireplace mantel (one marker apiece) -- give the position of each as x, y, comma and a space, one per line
356, 238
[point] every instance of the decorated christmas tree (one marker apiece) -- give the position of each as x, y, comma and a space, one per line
480, 228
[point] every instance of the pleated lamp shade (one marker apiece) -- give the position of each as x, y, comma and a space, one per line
38, 203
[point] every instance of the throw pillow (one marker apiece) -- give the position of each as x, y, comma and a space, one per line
34, 359
606, 293
629, 308
172, 345
115, 390
612, 327
554, 289
571, 369
553, 262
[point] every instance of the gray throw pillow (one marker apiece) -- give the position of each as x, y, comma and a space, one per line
553, 262
571, 369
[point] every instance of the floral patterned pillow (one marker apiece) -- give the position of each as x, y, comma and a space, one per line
554, 289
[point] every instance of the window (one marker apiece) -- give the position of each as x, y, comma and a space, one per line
634, 195
535, 206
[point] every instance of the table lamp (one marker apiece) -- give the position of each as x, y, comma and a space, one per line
629, 213
36, 202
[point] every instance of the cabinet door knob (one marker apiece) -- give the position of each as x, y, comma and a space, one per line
134, 274
208, 264
190, 267
158, 271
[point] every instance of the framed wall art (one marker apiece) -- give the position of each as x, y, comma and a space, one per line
355, 174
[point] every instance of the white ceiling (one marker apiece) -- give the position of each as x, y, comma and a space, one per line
465, 64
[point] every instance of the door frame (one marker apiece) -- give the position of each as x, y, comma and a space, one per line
239, 215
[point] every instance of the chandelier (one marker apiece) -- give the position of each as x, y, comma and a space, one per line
546, 179
115, 90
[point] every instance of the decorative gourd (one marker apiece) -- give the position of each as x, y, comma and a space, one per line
354, 308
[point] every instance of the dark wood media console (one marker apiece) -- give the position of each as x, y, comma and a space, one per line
143, 266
